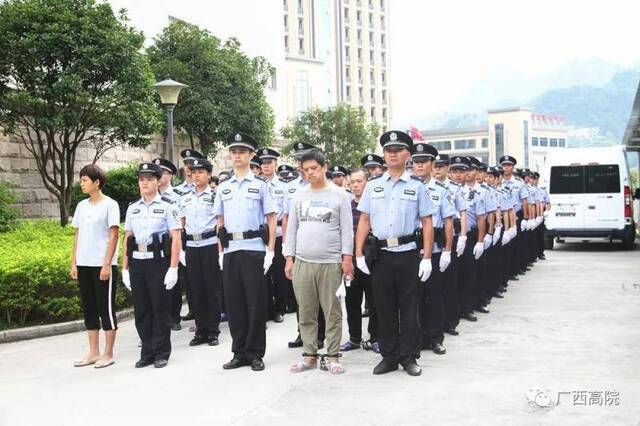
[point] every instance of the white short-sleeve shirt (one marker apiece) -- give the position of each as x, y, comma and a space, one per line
93, 222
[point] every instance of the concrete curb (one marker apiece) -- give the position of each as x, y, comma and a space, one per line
27, 333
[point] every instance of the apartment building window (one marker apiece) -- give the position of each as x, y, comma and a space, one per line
561, 143
384, 114
382, 5
359, 55
370, 4
346, 34
286, 22
383, 41
302, 91
360, 75
383, 78
442, 145
485, 142
544, 142
372, 78
464, 143
286, 43
347, 72
360, 94
359, 37
382, 26
300, 11
371, 19
348, 92
499, 132
384, 96
347, 53
300, 26
534, 141
373, 113
553, 142
346, 13
383, 59
371, 38
373, 95
285, 5
359, 18
371, 57
301, 46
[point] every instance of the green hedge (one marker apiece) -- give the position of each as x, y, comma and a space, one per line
35, 287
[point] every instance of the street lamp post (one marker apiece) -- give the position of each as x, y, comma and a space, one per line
169, 91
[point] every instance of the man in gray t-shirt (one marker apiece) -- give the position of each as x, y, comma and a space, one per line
320, 238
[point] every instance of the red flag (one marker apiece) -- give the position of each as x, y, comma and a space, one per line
415, 134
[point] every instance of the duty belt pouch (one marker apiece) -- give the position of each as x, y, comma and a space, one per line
418, 238
156, 245
131, 244
457, 226
264, 234
223, 236
183, 236
166, 244
371, 250
438, 237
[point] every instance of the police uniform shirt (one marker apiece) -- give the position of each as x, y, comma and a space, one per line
171, 194
514, 186
144, 220
443, 203
93, 222
475, 205
458, 196
278, 189
490, 204
199, 216
545, 196
504, 199
525, 193
395, 207
244, 204
184, 188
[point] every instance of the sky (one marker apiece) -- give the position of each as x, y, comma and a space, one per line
440, 48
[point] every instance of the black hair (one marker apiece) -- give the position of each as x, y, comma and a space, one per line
94, 173
314, 155
214, 179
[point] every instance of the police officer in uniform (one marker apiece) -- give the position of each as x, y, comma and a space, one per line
247, 250
150, 265
432, 316
201, 253
338, 175
391, 207
373, 163
278, 284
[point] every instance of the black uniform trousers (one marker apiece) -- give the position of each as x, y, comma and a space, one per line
278, 294
360, 286
245, 292
468, 278
451, 290
205, 280
397, 294
432, 304
176, 295
151, 307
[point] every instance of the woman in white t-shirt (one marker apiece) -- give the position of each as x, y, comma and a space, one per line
93, 264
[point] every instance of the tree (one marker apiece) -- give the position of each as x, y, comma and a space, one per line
226, 87
72, 72
342, 132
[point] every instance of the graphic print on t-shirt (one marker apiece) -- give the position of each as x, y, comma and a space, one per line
314, 211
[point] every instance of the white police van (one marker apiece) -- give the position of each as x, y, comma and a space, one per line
591, 193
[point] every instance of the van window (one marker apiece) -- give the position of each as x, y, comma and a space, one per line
567, 180
602, 179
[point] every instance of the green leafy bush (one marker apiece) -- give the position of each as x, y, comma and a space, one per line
35, 286
8, 212
121, 185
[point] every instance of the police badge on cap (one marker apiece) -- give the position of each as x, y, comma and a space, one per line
241, 140
396, 138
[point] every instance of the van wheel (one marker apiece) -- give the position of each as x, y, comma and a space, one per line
548, 243
629, 241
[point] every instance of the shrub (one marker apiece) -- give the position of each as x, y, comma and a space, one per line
8, 212
34, 275
121, 185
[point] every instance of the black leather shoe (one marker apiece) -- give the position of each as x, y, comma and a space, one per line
452, 331
439, 349
385, 366
176, 326
366, 313
482, 309
257, 364
160, 363
213, 341
198, 340
425, 345
190, 315
235, 363
514, 278
320, 344
498, 295
278, 317
542, 257
296, 343
143, 363
412, 368
469, 317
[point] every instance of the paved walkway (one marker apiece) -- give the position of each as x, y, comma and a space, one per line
571, 325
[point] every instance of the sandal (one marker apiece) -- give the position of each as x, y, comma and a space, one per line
330, 366
300, 366
85, 362
104, 364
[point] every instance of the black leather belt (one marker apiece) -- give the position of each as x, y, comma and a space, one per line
246, 235
395, 242
199, 237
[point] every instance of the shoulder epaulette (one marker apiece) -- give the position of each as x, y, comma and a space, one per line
167, 199
441, 184
484, 185
376, 177
416, 178
454, 184
134, 201
177, 191
262, 178
283, 180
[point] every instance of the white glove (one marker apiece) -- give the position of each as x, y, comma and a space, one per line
540, 219
488, 239
524, 225
268, 260
506, 237
341, 293
545, 214
513, 231
424, 270
462, 242
183, 258
478, 249
362, 265
496, 234
220, 257
445, 260
171, 278
126, 279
